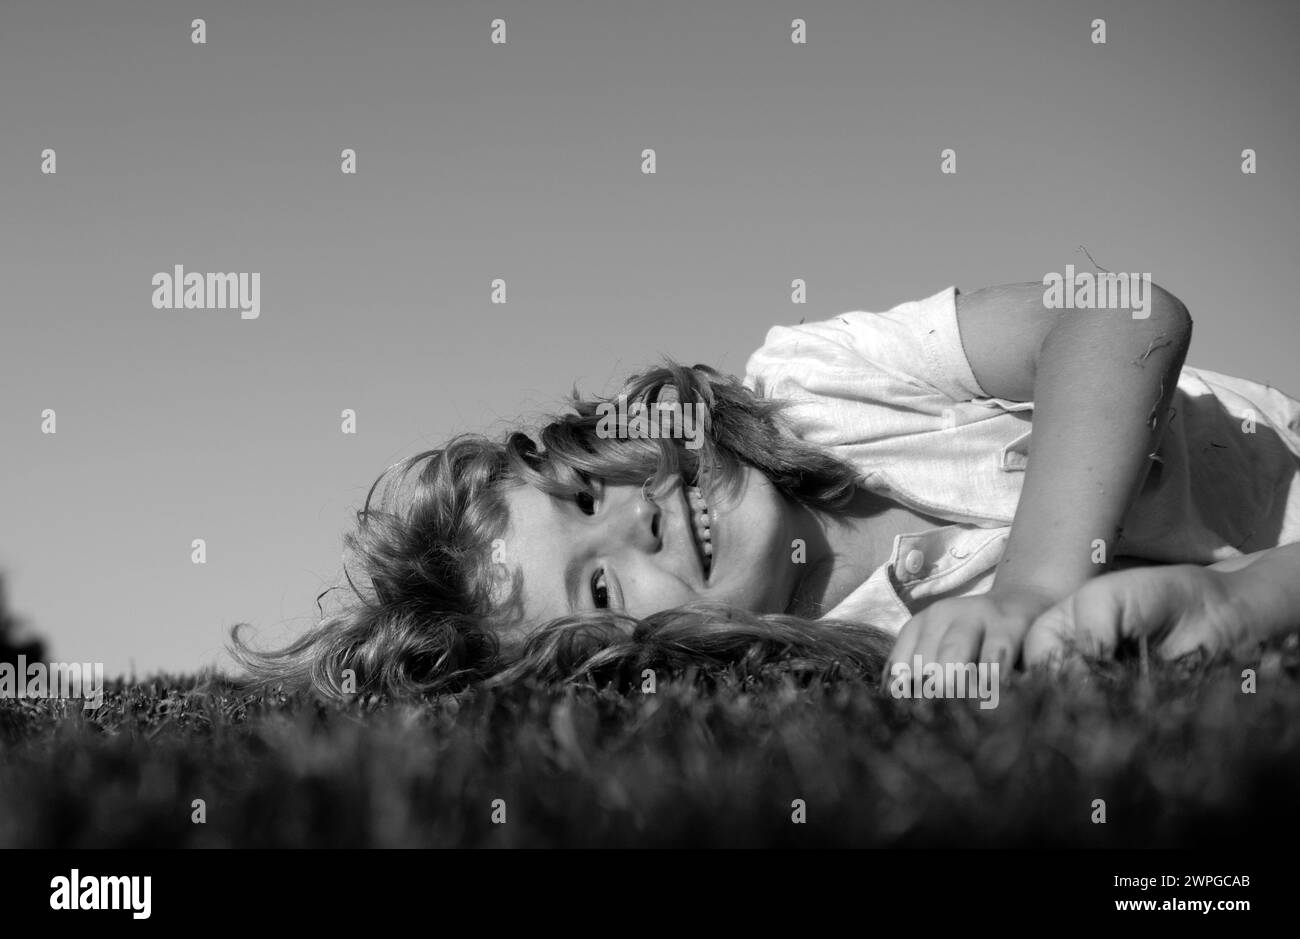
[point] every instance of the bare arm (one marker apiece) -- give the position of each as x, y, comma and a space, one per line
1101, 382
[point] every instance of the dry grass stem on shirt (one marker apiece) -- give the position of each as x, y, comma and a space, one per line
1094, 263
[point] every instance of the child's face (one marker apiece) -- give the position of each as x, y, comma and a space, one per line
623, 552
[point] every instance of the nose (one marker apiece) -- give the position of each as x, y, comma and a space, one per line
640, 521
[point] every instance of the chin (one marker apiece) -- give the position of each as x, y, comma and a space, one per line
756, 546
769, 580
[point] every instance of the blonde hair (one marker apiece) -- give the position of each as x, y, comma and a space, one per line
425, 608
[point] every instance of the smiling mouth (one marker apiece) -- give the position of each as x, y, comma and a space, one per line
701, 527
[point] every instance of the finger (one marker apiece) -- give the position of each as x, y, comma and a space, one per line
1183, 608
960, 646
937, 629
961, 642
1001, 648
1193, 622
903, 645
1182, 641
1088, 622
947, 641
1049, 640
1141, 602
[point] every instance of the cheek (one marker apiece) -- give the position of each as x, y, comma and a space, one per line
759, 527
652, 592
769, 559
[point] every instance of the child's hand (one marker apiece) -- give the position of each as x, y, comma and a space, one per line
985, 628
1179, 608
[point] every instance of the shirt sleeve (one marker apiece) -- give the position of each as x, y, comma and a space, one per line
916, 343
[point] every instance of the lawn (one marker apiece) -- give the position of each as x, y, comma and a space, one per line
1179, 753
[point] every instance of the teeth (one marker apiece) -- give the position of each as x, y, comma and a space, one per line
700, 524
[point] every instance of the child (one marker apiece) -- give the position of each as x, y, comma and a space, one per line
866, 496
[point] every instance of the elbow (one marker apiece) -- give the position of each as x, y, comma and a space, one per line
1170, 314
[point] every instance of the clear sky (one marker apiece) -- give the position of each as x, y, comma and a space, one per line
523, 161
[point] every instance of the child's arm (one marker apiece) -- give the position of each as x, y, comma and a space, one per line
1101, 382
1181, 607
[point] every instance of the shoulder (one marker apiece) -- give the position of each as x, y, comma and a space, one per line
916, 342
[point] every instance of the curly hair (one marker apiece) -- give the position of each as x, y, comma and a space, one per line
428, 602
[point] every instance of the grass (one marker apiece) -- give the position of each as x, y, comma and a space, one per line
1181, 756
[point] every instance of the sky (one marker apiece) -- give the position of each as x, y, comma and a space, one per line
523, 161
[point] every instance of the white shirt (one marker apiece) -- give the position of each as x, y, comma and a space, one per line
894, 395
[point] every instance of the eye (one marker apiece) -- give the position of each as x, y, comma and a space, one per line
599, 590
586, 502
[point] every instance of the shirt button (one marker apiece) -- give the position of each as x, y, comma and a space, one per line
914, 561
